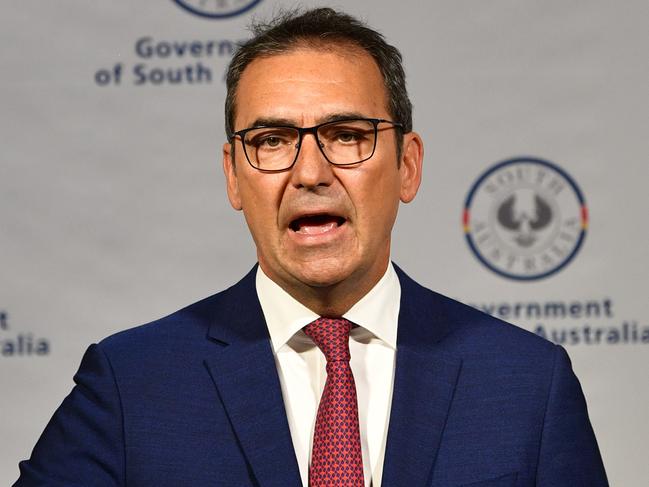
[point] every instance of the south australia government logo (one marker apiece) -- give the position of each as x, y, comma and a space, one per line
525, 218
217, 9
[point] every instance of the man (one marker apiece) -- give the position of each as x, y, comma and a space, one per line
255, 385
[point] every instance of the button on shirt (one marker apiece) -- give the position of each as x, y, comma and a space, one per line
302, 373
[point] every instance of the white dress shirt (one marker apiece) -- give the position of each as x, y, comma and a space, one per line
301, 366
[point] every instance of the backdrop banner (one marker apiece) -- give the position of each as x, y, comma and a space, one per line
112, 198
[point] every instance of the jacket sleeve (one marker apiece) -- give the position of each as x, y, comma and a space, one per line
569, 455
83, 443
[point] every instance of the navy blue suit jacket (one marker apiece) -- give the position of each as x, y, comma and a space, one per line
194, 399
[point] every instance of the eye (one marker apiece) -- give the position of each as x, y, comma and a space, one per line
347, 132
270, 139
347, 137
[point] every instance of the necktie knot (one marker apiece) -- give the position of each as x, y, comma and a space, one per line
331, 335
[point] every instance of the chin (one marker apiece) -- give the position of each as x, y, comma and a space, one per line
321, 273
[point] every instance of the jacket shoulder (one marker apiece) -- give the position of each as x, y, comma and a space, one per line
466, 328
189, 322
184, 331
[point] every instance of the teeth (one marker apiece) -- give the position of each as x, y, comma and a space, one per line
317, 229
316, 224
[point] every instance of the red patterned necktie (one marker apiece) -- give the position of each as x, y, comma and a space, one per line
336, 459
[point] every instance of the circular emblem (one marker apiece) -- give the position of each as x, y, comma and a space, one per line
525, 218
217, 9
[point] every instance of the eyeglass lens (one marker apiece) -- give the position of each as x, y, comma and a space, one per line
345, 142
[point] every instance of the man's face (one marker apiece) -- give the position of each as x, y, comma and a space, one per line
318, 225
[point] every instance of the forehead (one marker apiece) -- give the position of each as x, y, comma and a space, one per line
306, 85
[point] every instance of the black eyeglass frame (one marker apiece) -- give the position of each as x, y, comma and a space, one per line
313, 130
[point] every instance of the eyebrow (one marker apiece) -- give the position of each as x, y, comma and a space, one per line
287, 122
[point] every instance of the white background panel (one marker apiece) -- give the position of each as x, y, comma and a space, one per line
112, 202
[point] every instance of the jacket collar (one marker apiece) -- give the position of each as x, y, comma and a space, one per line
424, 384
244, 373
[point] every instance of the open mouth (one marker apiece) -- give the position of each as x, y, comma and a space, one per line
316, 224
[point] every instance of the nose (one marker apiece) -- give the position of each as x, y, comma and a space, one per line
311, 169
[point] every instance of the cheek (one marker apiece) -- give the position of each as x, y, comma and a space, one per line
377, 202
260, 193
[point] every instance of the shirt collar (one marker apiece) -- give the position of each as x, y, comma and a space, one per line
376, 312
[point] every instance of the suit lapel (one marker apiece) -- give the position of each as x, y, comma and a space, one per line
424, 384
244, 372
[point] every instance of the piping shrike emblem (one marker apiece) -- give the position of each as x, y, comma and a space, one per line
525, 218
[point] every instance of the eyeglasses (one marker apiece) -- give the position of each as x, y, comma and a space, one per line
342, 142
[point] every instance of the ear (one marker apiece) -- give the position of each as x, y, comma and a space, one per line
230, 171
412, 158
